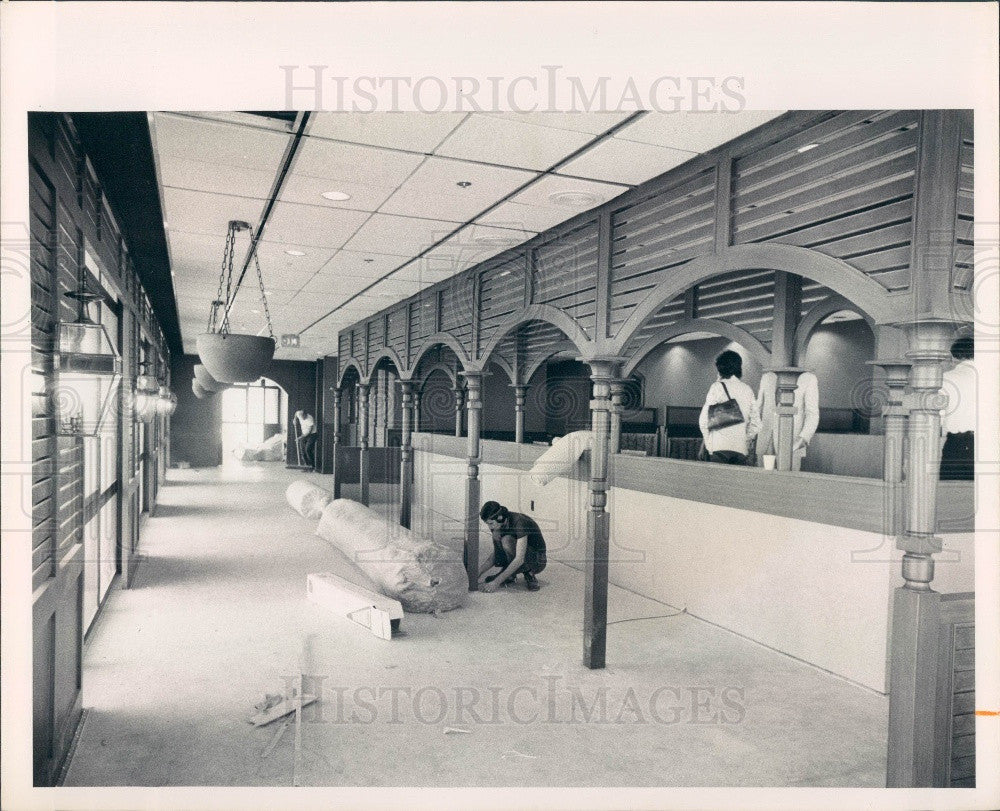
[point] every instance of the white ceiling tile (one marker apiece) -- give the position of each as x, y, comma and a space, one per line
434, 188
362, 265
619, 161
511, 143
397, 288
216, 177
419, 271
694, 132
217, 142
204, 213
319, 226
350, 163
306, 189
420, 132
593, 123
334, 287
276, 261
549, 201
403, 236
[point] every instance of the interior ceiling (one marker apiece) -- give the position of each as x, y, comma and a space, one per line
424, 196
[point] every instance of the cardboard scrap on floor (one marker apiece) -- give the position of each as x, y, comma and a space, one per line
273, 711
380, 614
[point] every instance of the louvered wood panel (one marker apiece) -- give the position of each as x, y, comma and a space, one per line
343, 348
376, 339
669, 314
397, 331
742, 298
356, 342
44, 450
416, 314
501, 294
851, 196
964, 216
457, 308
657, 234
565, 275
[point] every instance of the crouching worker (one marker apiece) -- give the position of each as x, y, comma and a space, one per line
518, 547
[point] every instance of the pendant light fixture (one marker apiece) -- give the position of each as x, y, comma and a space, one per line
227, 356
209, 383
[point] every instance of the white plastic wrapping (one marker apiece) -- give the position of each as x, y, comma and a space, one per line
423, 575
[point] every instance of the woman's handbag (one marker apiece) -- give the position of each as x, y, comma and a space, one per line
724, 414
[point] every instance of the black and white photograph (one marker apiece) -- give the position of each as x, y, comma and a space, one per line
402, 426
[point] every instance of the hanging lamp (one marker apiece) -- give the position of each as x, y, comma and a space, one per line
87, 365
209, 383
227, 356
199, 390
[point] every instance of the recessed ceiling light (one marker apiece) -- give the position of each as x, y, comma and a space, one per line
463, 184
335, 195
292, 252
806, 147
574, 198
255, 312
369, 260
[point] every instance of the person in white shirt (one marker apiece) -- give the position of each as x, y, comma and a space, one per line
730, 444
307, 436
958, 422
805, 421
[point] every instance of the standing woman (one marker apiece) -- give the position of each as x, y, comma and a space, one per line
729, 419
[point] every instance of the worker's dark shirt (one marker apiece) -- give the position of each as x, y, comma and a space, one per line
519, 525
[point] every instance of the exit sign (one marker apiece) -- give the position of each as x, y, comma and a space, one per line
289, 340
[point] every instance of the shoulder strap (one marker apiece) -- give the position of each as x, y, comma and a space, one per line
728, 395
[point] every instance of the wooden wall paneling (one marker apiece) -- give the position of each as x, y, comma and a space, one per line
954, 715
501, 294
565, 274
669, 314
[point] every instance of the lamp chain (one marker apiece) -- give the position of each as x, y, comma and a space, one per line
225, 280
263, 296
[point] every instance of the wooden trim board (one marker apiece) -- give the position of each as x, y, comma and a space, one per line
374, 611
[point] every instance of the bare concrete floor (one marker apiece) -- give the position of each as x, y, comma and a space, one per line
490, 694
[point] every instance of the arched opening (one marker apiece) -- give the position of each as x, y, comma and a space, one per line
542, 357
254, 422
439, 410
349, 409
385, 408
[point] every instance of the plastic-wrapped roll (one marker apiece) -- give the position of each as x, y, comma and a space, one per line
423, 575
561, 457
307, 499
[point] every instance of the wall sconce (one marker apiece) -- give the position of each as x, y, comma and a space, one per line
167, 403
147, 394
88, 370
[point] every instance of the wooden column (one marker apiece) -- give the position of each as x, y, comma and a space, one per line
335, 438
406, 457
784, 398
595, 608
416, 409
894, 416
787, 313
519, 396
614, 441
458, 408
474, 405
916, 607
363, 440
